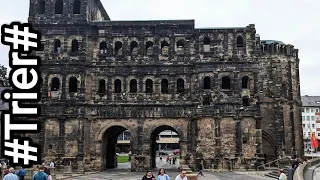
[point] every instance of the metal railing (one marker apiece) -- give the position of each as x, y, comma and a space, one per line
277, 161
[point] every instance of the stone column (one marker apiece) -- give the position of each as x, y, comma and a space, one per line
99, 162
185, 155
146, 161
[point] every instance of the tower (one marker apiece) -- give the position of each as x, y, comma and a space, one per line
66, 11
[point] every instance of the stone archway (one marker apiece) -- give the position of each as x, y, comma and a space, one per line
109, 145
153, 143
268, 147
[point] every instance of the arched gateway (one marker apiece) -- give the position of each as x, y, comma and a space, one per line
143, 148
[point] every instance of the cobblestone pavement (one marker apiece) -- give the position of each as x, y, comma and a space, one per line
118, 175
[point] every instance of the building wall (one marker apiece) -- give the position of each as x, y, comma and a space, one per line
224, 91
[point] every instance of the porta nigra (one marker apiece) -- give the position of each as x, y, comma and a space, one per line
227, 93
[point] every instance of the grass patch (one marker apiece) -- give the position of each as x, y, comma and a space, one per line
122, 159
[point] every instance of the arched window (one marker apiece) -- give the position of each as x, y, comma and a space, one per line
103, 47
245, 82
164, 86
134, 48
149, 86
55, 84
206, 41
206, 83
133, 86
58, 7
41, 7
76, 7
149, 48
57, 46
117, 48
102, 86
164, 47
73, 84
180, 85
164, 44
239, 41
226, 82
117, 86
180, 44
74, 46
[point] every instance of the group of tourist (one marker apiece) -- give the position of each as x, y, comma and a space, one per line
163, 176
9, 173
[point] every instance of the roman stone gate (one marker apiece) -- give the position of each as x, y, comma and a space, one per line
228, 94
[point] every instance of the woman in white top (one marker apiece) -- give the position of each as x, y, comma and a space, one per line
162, 175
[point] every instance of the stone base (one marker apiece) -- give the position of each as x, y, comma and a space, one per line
80, 171
67, 171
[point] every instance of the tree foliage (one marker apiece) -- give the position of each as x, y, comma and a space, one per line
3, 76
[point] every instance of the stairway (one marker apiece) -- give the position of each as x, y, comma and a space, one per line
275, 173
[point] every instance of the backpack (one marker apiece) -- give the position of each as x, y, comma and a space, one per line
22, 173
40, 176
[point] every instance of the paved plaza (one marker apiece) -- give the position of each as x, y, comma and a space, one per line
120, 175
123, 173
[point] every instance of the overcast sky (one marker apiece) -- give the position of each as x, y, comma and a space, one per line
291, 21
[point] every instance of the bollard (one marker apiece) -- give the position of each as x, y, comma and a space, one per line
290, 173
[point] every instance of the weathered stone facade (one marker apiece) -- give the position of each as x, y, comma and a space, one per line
224, 91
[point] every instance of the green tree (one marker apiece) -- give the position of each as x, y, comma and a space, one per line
3, 75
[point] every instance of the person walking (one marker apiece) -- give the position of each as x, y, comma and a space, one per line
149, 176
282, 176
182, 175
40, 175
162, 175
200, 167
21, 173
11, 175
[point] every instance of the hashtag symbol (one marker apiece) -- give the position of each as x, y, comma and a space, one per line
25, 148
13, 36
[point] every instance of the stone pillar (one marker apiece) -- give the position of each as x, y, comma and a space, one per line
185, 155
98, 162
146, 154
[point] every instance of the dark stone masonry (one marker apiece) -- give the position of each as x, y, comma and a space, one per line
227, 93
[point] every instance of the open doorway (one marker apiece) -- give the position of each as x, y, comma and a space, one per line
165, 148
116, 148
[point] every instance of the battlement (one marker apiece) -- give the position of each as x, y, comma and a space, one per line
278, 47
